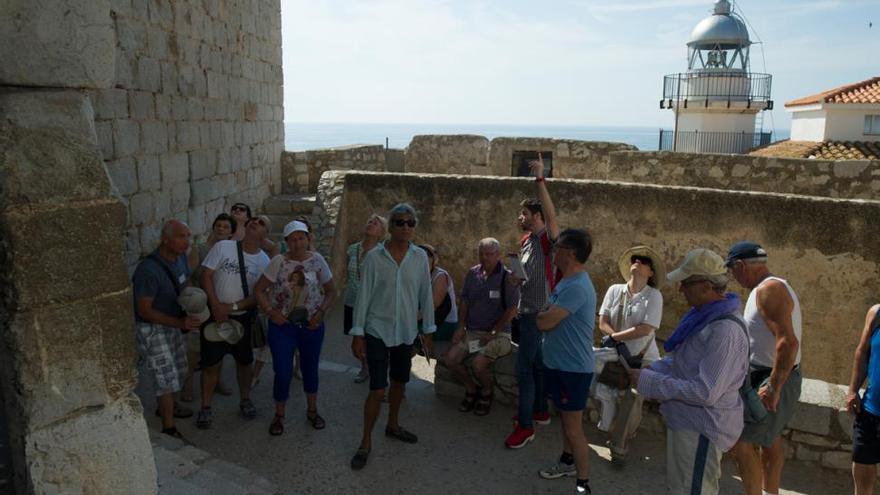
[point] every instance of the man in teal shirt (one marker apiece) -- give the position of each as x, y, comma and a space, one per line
395, 289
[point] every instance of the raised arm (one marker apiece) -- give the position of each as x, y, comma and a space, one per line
549, 211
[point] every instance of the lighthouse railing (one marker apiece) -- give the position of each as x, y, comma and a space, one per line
713, 142
712, 86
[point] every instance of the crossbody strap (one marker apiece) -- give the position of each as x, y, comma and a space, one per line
503, 288
241, 269
174, 282
741, 324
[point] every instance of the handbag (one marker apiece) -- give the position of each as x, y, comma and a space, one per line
255, 326
614, 374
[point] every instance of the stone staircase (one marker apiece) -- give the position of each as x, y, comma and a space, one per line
186, 470
282, 208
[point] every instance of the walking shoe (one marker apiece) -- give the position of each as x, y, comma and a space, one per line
247, 409
537, 418
520, 437
204, 419
558, 470
542, 418
362, 376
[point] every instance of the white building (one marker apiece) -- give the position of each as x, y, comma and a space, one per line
846, 113
717, 100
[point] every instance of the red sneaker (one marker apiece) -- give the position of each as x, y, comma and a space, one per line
541, 418
537, 418
520, 437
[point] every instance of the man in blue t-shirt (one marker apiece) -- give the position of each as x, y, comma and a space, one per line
567, 326
161, 322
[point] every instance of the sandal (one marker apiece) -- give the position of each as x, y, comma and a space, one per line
401, 434
360, 459
483, 406
315, 420
467, 404
277, 426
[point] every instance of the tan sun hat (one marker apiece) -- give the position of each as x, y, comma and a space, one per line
698, 262
624, 263
229, 331
194, 302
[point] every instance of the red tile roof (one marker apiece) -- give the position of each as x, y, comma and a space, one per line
826, 150
867, 91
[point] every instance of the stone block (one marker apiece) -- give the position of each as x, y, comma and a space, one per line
149, 173
123, 175
111, 103
48, 167
202, 164
179, 198
170, 78
62, 50
161, 206
202, 191
175, 169
163, 108
149, 74
104, 133
68, 457
157, 43
141, 105
65, 110
837, 459
845, 424
187, 135
149, 237
124, 68
814, 440
154, 137
140, 208
803, 453
126, 138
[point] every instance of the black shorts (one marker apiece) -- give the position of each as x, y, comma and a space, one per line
384, 361
569, 390
866, 438
347, 319
213, 352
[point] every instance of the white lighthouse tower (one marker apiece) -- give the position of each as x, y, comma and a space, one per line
717, 100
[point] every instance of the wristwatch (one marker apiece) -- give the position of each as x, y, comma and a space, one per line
235, 306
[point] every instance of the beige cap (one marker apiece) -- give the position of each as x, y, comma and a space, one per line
194, 302
229, 331
625, 262
698, 262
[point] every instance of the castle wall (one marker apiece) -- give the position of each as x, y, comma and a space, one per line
192, 120
824, 246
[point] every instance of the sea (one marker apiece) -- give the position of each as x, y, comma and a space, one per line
299, 136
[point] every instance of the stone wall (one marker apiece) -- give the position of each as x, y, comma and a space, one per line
192, 120
856, 179
824, 246
447, 154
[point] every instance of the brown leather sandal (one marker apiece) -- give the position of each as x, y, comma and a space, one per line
483, 405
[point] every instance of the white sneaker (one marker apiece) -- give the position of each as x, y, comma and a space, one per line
362, 376
558, 470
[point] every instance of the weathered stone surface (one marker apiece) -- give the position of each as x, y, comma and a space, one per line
84, 454
70, 44
68, 111
446, 154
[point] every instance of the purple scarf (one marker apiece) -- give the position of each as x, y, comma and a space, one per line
696, 319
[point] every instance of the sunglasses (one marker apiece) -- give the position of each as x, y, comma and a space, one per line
257, 220
643, 260
238, 208
401, 223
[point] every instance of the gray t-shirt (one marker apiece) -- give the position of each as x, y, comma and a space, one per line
152, 280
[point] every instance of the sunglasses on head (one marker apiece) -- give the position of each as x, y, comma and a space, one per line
401, 223
642, 259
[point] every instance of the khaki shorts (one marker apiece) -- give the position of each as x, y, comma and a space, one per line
496, 348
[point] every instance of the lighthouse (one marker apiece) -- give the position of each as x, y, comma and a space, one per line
718, 102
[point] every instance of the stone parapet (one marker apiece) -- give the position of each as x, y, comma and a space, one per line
823, 246
853, 179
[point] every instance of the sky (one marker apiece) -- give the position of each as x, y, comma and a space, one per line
553, 62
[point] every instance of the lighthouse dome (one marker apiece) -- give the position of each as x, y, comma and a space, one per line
720, 30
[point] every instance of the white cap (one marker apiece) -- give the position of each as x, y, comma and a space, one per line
295, 226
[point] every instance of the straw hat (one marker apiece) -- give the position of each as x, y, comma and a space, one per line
624, 263
229, 331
